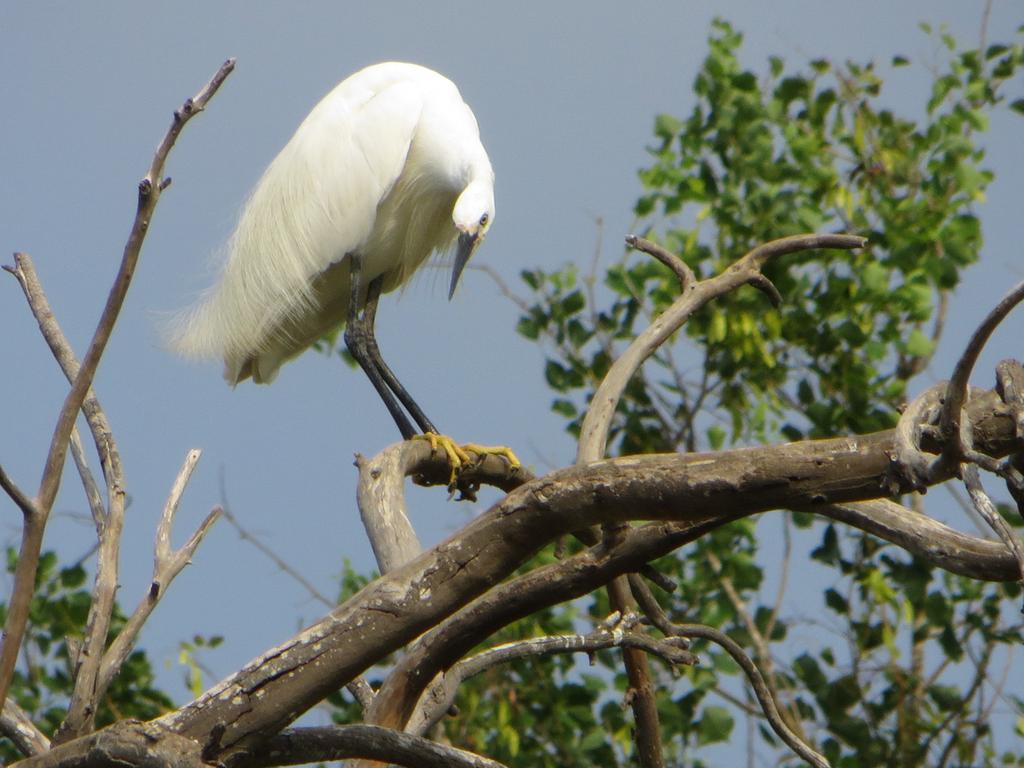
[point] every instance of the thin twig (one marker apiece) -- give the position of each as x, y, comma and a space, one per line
24, 503
110, 459
989, 513
92, 491
764, 697
653, 611
616, 632
245, 535
167, 564
32, 534
677, 265
594, 432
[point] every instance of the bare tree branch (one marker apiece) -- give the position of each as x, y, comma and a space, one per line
17, 726
25, 273
311, 745
597, 421
764, 697
983, 504
444, 646
380, 496
126, 744
167, 564
24, 503
956, 394
615, 632
594, 432
362, 692
32, 532
247, 536
677, 265
92, 491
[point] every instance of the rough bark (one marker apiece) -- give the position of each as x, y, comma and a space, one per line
703, 489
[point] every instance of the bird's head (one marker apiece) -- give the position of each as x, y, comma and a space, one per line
472, 216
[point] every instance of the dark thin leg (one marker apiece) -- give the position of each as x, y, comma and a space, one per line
362, 344
370, 313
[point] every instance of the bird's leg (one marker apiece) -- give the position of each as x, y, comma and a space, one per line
373, 351
361, 344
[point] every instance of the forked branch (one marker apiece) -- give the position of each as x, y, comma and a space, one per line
746, 271
36, 515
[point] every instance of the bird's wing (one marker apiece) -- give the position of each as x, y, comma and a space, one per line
316, 202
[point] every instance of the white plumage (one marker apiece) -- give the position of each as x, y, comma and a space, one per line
389, 165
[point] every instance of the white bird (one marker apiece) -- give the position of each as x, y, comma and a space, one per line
387, 169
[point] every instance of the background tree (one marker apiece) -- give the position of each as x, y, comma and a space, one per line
577, 721
761, 157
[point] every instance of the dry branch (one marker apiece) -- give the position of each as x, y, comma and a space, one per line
312, 745
956, 395
617, 632
692, 493
597, 421
36, 516
16, 725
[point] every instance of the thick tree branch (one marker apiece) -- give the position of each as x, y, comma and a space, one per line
125, 744
440, 649
312, 745
929, 539
695, 492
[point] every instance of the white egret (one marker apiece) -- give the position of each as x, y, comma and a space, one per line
387, 169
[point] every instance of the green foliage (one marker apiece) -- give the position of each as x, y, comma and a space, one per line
190, 654
42, 683
756, 159
537, 712
760, 157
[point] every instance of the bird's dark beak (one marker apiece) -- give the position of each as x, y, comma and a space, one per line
465, 248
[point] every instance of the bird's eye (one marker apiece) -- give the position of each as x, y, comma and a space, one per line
483, 219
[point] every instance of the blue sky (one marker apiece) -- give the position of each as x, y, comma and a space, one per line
565, 95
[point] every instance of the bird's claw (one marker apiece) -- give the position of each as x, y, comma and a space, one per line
459, 456
494, 450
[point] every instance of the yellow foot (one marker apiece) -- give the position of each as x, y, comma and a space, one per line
459, 456
494, 450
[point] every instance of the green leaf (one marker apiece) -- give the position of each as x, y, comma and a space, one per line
918, 344
565, 408
836, 602
715, 725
